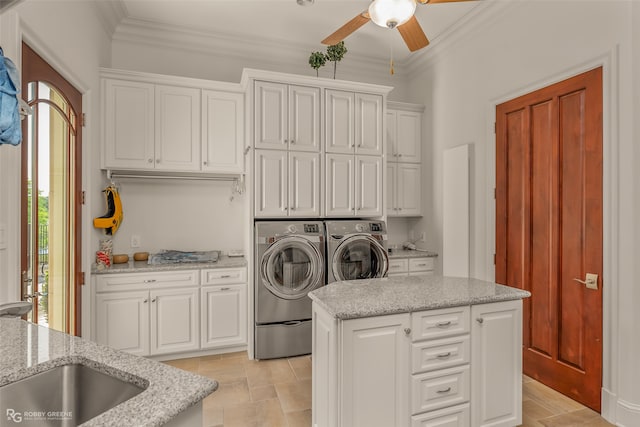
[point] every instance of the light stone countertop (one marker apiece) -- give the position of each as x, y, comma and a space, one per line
404, 253
143, 267
354, 299
27, 349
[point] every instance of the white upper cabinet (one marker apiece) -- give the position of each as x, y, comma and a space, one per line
159, 123
353, 122
368, 186
177, 125
286, 116
403, 189
129, 137
353, 185
271, 178
222, 131
304, 184
404, 138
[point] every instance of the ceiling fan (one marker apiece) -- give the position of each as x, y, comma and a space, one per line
390, 14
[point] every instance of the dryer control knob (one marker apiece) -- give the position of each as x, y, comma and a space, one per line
359, 228
292, 228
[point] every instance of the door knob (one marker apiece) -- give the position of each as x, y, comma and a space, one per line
591, 281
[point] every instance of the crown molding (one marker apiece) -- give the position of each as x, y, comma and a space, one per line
477, 18
110, 13
271, 53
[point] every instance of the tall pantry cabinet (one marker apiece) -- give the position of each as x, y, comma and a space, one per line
318, 146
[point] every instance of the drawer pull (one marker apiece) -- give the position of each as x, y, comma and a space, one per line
443, 324
446, 390
407, 331
224, 289
480, 320
225, 276
150, 281
444, 355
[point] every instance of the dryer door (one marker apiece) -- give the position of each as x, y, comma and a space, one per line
291, 267
360, 257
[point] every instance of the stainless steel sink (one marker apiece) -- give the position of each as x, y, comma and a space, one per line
67, 395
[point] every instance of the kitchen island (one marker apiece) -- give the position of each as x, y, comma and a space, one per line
417, 350
170, 396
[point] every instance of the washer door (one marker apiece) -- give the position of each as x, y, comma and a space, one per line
360, 256
291, 267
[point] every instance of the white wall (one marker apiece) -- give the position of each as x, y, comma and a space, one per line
524, 46
181, 215
71, 37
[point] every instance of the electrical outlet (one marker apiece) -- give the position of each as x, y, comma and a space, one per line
423, 236
135, 241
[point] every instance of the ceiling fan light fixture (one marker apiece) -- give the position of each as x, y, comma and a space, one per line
391, 13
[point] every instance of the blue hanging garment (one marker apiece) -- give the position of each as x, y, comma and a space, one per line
10, 128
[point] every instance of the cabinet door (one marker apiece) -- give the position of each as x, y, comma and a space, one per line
375, 369
339, 185
392, 197
496, 357
408, 195
390, 123
408, 136
369, 124
222, 132
128, 125
368, 186
270, 115
271, 183
304, 118
223, 316
304, 184
177, 126
339, 121
122, 321
174, 320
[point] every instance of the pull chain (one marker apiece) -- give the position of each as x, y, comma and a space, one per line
391, 71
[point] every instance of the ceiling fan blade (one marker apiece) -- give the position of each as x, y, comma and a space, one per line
440, 1
413, 36
348, 28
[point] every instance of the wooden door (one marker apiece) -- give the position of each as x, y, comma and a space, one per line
549, 228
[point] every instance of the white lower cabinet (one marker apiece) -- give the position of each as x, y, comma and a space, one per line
224, 316
169, 312
497, 364
424, 369
411, 266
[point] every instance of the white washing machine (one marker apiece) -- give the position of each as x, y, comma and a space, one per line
289, 264
356, 249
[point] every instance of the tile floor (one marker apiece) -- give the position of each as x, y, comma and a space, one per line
277, 393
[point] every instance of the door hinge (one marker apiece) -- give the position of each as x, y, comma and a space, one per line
83, 197
495, 127
84, 119
494, 193
494, 259
82, 278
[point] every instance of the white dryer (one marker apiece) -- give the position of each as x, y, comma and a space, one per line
356, 249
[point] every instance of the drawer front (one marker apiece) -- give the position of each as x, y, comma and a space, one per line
398, 265
457, 416
440, 323
439, 354
422, 273
421, 264
439, 389
140, 281
223, 276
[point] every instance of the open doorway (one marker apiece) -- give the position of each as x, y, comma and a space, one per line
51, 196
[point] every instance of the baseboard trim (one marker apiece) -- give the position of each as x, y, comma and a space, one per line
627, 414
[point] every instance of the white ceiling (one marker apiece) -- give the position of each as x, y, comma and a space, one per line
284, 22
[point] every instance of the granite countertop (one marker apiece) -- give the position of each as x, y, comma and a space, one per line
404, 253
27, 349
353, 299
142, 266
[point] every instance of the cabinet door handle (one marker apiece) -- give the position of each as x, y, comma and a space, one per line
444, 355
407, 331
153, 300
145, 301
204, 163
157, 160
150, 281
443, 324
246, 150
446, 390
480, 320
149, 160
291, 141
